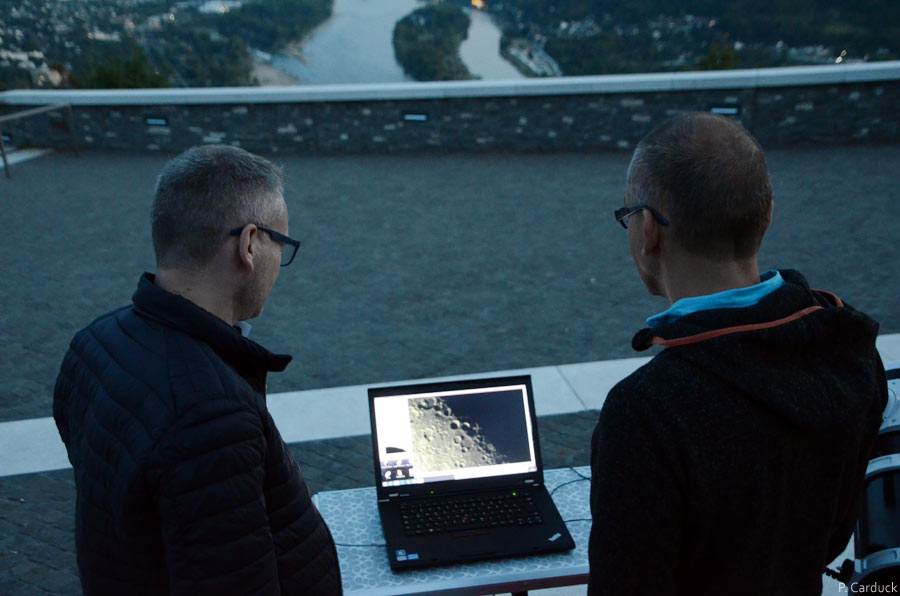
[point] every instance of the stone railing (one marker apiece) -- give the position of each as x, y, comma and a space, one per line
833, 105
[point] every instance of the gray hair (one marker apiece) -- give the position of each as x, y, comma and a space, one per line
205, 192
708, 176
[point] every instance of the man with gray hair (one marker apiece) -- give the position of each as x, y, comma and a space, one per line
184, 485
733, 462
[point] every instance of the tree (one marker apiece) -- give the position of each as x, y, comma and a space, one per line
135, 73
721, 56
426, 42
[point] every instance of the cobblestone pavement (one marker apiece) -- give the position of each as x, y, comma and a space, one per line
37, 547
420, 266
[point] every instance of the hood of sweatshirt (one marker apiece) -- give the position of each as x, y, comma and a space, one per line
765, 350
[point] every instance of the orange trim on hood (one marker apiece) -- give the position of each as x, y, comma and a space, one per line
692, 339
833, 297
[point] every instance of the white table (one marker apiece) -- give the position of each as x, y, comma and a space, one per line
352, 516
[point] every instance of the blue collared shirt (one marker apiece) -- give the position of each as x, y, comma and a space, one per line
737, 298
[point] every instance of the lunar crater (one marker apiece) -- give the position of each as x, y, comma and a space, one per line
444, 440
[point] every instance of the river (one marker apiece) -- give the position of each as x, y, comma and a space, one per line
355, 46
480, 51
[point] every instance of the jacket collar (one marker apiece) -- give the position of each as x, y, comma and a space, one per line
249, 359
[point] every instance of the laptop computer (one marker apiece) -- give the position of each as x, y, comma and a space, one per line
458, 473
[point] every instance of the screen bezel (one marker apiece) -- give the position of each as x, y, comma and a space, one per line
455, 486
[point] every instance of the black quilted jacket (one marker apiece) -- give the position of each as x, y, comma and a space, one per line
184, 485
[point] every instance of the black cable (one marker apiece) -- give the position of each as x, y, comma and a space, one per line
582, 479
579, 473
559, 486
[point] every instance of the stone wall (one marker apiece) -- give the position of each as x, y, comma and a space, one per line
782, 107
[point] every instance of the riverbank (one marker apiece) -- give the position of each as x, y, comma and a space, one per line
269, 76
529, 61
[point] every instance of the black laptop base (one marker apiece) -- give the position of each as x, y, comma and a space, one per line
410, 550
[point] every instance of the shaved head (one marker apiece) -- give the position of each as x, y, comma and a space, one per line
708, 176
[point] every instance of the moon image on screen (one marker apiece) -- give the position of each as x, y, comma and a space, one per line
451, 433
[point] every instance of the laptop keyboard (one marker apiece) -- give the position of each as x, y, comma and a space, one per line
453, 514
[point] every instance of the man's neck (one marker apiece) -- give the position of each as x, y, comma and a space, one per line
199, 289
689, 277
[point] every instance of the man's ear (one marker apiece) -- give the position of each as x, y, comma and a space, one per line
247, 246
649, 234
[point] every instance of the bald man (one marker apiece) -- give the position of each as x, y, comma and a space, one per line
733, 462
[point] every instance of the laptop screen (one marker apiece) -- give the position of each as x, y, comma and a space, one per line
453, 433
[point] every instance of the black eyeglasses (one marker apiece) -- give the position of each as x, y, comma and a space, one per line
623, 213
289, 246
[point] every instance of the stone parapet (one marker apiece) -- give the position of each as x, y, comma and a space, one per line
831, 105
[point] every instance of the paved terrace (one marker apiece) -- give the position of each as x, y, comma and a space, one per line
411, 267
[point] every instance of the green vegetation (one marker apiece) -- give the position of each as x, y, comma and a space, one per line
112, 65
720, 57
12, 77
608, 53
134, 73
213, 50
146, 43
613, 36
796, 22
201, 57
271, 24
426, 42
